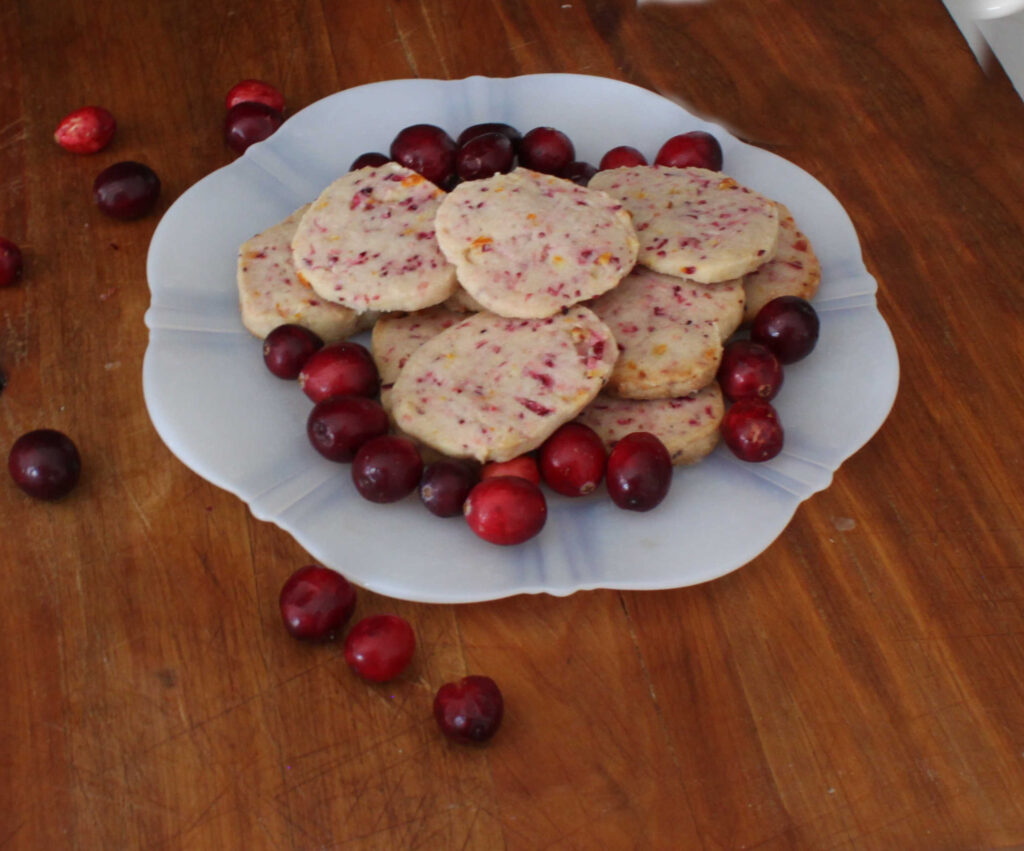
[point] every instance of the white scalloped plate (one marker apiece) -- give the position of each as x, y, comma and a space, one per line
218, 409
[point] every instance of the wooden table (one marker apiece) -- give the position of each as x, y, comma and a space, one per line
858, 685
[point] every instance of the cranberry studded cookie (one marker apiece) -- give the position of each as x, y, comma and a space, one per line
794, 270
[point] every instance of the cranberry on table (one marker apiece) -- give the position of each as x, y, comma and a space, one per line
484, 156
546, 150
693, 149
250, 122
623, 155
287, 348
506, 130
126, 190
445, 485
752, 431
578, 172
573, 460
749, 370
369, 158
427, 150
524, 466
86, 130
254, 91
11, 263
469, 711
341, 368
316, 602
639, 472
45, 464
789, 326
506, 510
339, 425
380, 647
387, 469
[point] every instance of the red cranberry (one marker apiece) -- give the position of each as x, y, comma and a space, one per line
695, 148
254, 91
506, 510
748, 369
751, 429
316, 602
578, 172
45, 464
338, 425
86, 130
506, 130
573, 460
624, 155
338, 369
639, 472
371, 158
483, 156
11, 263
445, 486
380, 647
387, 468
469, 711
524, 466
126, 190
546, 150
787, 325
426, 149
250, 122
287, 348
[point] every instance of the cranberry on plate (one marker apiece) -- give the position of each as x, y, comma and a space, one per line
573, 460
484, 156
639, 472
445, 485
45, 464
469, 711
789, 326
86, 130
693, 149
546, 150
369, 158
752, 431
287, 348
380, 647
623, 155
749, 370
387, 468
524, 466
316, 602
506, 510
506, 130
339, 425
426, 149
578, 172
342, 368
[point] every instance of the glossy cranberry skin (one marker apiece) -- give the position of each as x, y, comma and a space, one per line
250, 122
445, 486
573, 460
287, 348
693, 149
506, 510
316, 602
752, 431
506, 130
11, 263
426, 149
126, 190
639, 472
546, 150
370, 158
380, 647
578, 172
45, 464
86, 130
749, 370
484, 156
469, 711
623, 155
387, 469
340, 369
254, 91
787, 325
339, 425
523, 466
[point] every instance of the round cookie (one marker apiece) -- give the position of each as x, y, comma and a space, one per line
670, 332
528, 245
693, 222
688, 426
368, 242
492, 388
794, 270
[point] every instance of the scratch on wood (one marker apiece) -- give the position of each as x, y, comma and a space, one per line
409, 58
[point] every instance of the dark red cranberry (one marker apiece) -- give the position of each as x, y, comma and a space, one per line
316, 602
484, 156
573, 460
287, 348
254, 91
426, 149
86, 130
624, 155
579, 172
11, 263
748, 369
506, 130
696, 148
506, 510
387, 469
126, 190
639, 472
340, 369
445, 486
546, 150
380, 647
751, 429
45, 464
787, 325
250, 122
338, 425
470, 710
524, 466
371, 158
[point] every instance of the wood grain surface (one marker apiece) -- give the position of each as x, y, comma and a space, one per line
857, 686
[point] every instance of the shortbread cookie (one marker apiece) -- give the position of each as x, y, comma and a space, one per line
688, 426
670, 332
463, 302
527, 244
271, 294
368, 242
492, 388
794, 270
693, 222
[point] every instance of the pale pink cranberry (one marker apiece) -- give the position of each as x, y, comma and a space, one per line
573, 460
86, 130
506, 510
380, 647
254, 91
316, 602
469, 711
639, 472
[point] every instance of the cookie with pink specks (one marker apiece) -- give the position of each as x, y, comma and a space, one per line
794, 270
368, 242
528, 245
693, 222
492, 387
670, 332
